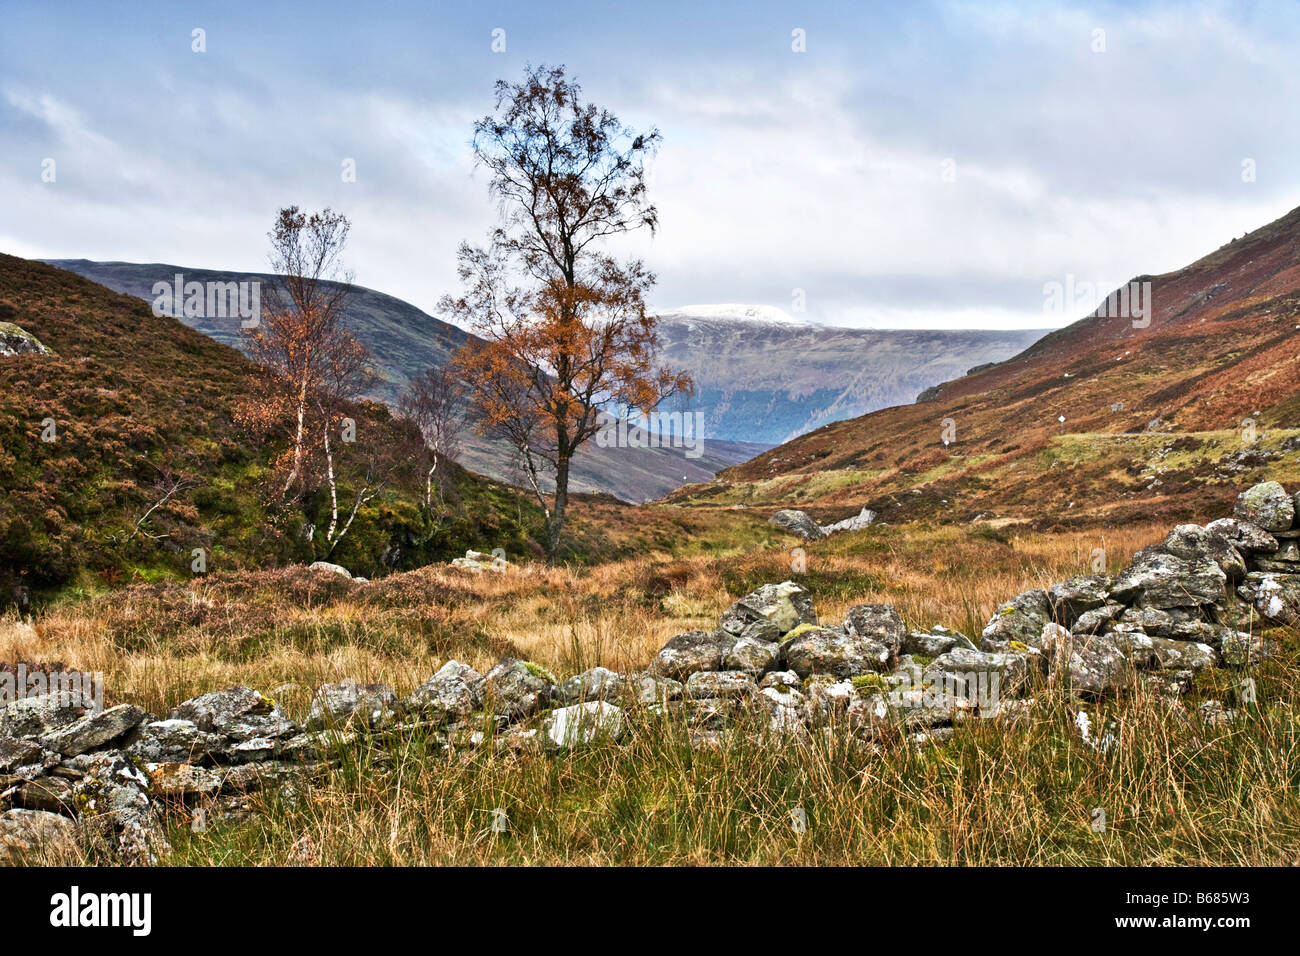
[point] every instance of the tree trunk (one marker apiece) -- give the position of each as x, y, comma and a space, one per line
555, 526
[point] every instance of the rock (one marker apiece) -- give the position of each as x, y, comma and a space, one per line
751, 655
1246, 537
1276, 597
41, 715
927, 645
820, 650
598, 683
1243, 649
181, 780
1097, 619
961, 665
332, 568
18, 341
1266, 505
477, 561
1019, 621
797, 523
784, 706
238, 713
780, 679
1159, 579
1071, 598
687, 653
720, 685
785, 606
16, 754
174, 741
827, 698
515, 688
1159, 653
36, 837
455, 691
115, 811
648, 689
876, 622
863, 519
51, 794
1193, 542
91, 732
583, 724
335, 705
1152, 620
1095, 666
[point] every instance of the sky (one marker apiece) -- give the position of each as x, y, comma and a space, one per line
914, 165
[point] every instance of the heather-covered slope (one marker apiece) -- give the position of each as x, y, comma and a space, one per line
1098, 423
126, 396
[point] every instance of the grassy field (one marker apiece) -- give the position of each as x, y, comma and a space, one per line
1174, 789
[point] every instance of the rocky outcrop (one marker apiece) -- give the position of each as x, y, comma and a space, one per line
798, 523
73, 780
18, 341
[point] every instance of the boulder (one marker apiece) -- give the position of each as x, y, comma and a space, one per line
597, 683
514, 689
1095, 666
1246, 537
174, 741
455, 691
41, 715
751, 655
720, 685
1276, 597
240, 714
331, 568
582, 724
687, 653
15, 340
1097, 619
1266, 505
876, 622
1193, 542
1159, 579
648, 689
1159, 653
784, 606
93, 731
1071, 598
821, 650
1019, 621
958, 666
369, 705
863, 519
35, 837
477, 561
797, 523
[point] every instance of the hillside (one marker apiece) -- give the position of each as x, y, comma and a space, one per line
1099, 423
769, 380
404, 342
126, 397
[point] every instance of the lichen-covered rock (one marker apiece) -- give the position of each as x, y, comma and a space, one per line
938, 641
582, 724
1244, 649
1159, 653
823, 650
1095, 666
36, 837
1019, 620
1246, 537
51, 794
958, 665
181, 780
238, 713
1154, 621
1159, 579
1097, 619
24, 758
1072, 597
876, 622
687, 653
597, 683
751, 655
798, 523
174, 741
516, 689
1276, 597
114, 809
368, 705
785, 606
651, 689
41, 715
1193, 542
720, 685
1267, 505
93, 731
784, 705
15, 340
477, 562
455, 691
331, 568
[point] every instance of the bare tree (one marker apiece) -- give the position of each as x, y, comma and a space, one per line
566, 330
435, 403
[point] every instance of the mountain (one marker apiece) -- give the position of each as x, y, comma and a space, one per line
1116, 418
765, 377
404, 342
121, 403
